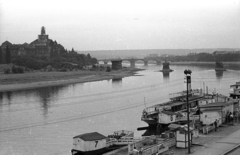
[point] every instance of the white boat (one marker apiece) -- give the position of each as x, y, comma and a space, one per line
95, 143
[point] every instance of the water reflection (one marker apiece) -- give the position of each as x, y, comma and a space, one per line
166, 76
219, 75
117, 82
1, 98
46, 95
9, 97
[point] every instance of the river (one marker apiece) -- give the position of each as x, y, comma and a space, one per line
43, 121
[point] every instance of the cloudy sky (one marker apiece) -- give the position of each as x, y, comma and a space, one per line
123, 24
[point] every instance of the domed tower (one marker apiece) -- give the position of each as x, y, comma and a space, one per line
43, 31
43, 37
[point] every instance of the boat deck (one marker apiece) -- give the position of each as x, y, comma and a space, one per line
169, 142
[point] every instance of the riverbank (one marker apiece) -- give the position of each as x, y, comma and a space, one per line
31, 80
237, 63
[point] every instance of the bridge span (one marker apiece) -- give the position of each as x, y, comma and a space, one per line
131, 60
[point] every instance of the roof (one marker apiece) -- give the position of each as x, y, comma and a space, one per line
237, 84
91, 136
6, 43
217, 104
174, 126
171, 113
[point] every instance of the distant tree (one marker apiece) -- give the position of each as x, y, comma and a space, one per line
20, 70
8, 55
1, 56
108, 69
6, 70
88, 56
14, 69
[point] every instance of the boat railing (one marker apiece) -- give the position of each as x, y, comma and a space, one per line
152, 110
124, 133
122, 141
183, 94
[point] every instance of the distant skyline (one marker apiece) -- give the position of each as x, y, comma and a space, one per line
123, 24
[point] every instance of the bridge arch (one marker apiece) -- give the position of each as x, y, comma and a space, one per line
146, 61
105, 62
132, 61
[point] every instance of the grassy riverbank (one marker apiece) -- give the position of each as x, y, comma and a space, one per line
29, 80
206, 63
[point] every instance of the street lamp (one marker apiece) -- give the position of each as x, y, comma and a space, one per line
188, 72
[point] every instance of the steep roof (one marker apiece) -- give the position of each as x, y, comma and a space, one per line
91, 136
6, 43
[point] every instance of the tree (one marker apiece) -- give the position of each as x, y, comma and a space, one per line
0, 55
14, 70
88, 56
108, 69
8, 55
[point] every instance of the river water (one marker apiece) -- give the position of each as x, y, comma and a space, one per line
43, 121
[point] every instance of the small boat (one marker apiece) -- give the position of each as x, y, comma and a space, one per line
219, 66
95, 143
92, 143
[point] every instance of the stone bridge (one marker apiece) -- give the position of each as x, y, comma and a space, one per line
132, 60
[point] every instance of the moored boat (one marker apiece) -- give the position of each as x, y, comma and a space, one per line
170, 112
95, 143
92, 143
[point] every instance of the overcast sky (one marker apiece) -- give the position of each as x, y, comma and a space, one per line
123, 24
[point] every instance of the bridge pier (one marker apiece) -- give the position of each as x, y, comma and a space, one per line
105, 62
145, 63
158, 62
116, 64
132, 63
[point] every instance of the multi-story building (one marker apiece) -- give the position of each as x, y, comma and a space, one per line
43, 46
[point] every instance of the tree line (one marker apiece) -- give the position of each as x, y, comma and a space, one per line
205, 57
67, 59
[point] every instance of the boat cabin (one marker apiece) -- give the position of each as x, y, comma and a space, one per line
213, 111
166, 117
89, 143
235, 90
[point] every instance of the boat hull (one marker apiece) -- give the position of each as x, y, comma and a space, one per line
234, 96
94, 152
150, 122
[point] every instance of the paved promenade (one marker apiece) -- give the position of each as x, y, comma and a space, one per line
221, 146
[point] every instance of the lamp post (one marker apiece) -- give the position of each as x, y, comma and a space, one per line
188, 72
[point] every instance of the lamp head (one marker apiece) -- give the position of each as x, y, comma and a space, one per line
187, 71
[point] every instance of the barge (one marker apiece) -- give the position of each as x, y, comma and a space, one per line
95, 143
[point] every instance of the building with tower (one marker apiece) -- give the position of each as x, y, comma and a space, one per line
42, 46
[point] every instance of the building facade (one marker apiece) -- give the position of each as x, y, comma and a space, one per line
43, 46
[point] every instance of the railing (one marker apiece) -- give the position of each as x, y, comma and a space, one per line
122, 141
184, 93
154, 147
